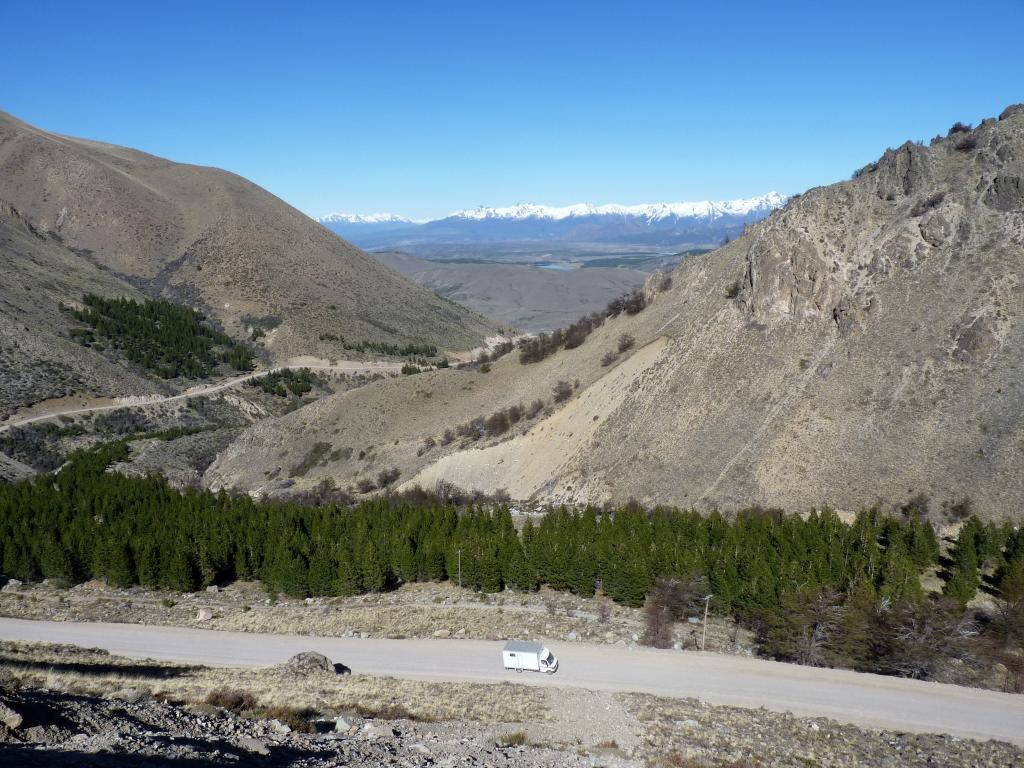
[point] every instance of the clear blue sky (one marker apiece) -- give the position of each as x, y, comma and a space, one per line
422, 108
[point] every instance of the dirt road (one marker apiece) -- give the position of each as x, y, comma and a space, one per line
351, 366
860, 699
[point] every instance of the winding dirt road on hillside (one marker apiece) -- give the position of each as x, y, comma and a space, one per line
867, 700
345, 366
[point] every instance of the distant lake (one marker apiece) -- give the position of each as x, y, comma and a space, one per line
558, 266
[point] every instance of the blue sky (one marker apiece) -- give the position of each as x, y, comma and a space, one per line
423, 108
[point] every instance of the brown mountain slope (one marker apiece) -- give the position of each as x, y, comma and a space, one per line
860, 346
38, 360
215, 240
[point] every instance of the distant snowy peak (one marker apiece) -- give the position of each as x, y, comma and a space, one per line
651, 212
370, 218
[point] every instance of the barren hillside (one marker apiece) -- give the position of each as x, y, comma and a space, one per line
38, 360
218, 242
860, 346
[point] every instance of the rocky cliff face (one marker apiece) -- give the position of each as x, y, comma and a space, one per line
824, 255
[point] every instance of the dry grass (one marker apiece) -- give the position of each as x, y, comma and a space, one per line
98, 673
513, 738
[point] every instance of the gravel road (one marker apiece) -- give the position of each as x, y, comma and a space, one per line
353, 366
849, 697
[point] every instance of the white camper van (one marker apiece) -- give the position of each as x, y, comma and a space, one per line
520, 655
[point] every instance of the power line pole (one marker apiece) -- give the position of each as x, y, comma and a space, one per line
704, 629
460, 569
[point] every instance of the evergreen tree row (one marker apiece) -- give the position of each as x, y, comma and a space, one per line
85, 523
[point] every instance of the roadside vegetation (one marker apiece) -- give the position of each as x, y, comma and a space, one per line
536, 348
381, 347
282, 382
814, 589
168, 339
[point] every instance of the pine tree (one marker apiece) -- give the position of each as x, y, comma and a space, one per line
118, 564
56, 562
323, 572
899, 577
149, 564
374, 574
964, 580
350, 580
180, 571
289, 572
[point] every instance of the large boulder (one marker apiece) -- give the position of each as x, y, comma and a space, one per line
308, 663
9, 717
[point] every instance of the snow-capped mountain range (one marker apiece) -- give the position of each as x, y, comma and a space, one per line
648, 212
370, 218
662, 224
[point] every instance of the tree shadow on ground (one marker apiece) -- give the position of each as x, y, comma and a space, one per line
29, 756
151, 671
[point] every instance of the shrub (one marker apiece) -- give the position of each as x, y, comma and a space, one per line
562, 391
427, 446
925, 205
626, 342
966, 144
299, 720
609, 358
959, 127
515, 413
665, 283
312, 457
733, 290
513, 738
635, 302
365, 485
448, 437
387, 476
669, 600
497, 423
498, 351
232, 699
535, 408
869, 168
408, 369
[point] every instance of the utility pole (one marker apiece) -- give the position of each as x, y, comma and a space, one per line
704, 629
460, 569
